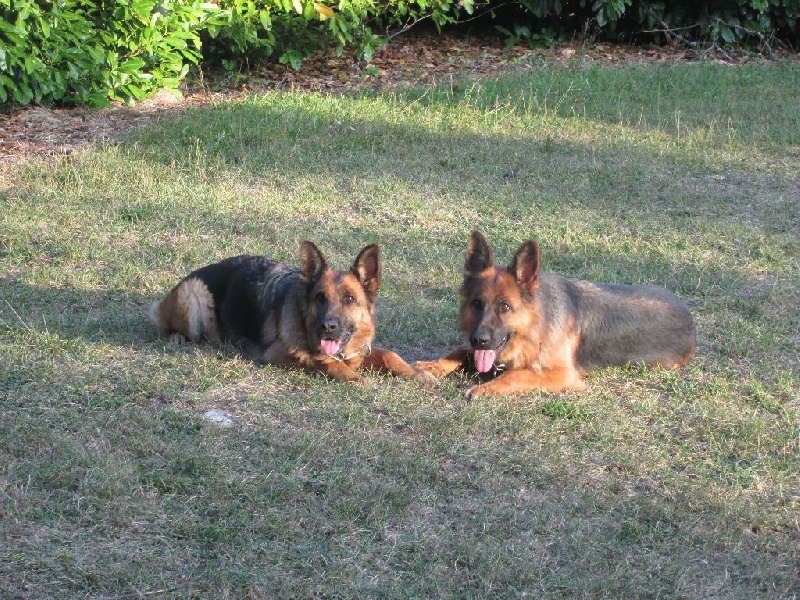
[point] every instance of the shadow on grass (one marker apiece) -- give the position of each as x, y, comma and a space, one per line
407, 316
519, 176
113, 317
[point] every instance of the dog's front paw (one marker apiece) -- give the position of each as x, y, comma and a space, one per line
475, 391
357, 378
423, 376
177, 339
433, 368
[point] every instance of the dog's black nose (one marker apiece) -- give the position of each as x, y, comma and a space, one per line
480, 340
330, 325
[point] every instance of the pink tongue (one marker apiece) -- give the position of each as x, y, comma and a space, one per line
329, 347
484, 359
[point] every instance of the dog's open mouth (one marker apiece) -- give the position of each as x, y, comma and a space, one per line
331, 347
484, 359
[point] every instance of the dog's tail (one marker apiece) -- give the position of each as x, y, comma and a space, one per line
189, 310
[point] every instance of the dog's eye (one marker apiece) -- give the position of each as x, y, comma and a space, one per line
504, 307
348, 299
477, 304
320, 297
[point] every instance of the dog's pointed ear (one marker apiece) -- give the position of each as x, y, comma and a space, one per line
312, 262
367, 268
525, 266
479, 255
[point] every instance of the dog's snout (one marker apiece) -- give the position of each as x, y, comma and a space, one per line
480, 340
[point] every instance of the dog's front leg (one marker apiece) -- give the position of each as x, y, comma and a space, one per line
336, 369
386, 361
518, 381
455, 360
277, 354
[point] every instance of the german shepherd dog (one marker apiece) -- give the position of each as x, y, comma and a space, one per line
312, 316
530, 330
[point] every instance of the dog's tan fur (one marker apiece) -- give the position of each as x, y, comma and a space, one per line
189, 310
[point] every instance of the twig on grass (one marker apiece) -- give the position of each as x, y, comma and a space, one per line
765, 40
136, 594
667, 30
27, 327
718, 48
478, 14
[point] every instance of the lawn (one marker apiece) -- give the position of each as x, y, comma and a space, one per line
652, 484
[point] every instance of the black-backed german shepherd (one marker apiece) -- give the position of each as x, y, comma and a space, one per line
540, 331
312, 316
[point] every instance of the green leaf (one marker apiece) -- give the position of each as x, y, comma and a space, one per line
142, 10
6, 83
134, 92
131, 65
99, 99
45, 26
726, 33
22, 93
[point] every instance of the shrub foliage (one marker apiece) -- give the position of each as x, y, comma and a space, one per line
93, 52
87, 52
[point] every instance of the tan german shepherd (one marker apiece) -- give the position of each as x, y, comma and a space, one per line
312, 316
530, 330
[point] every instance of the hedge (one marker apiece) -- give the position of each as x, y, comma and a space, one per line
95, 52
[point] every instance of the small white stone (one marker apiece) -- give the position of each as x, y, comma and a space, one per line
220, 417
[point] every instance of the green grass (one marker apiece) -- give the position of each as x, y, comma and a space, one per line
652, 484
